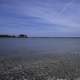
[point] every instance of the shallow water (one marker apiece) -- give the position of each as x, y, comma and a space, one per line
39, 45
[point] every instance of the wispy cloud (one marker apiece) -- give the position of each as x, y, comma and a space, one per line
59, 15
50, 14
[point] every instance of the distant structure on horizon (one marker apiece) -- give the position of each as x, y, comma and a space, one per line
13, 36
22, 36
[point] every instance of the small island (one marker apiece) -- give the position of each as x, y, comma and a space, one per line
13, 36
22, 36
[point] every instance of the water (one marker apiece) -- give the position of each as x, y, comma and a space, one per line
31, 58
17, 46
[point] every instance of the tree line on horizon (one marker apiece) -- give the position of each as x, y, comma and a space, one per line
13, 36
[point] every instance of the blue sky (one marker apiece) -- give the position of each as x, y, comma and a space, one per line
43, 18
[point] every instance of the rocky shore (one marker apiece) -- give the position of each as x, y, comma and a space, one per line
50, 69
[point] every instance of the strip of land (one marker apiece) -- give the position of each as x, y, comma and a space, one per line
13, 36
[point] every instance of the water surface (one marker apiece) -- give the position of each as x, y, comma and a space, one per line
39, 45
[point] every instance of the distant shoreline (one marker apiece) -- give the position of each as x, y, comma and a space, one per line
14, 36
39, 37
25, 36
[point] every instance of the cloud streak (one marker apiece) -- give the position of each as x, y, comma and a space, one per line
50, 16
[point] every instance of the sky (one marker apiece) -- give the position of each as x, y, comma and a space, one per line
40, 18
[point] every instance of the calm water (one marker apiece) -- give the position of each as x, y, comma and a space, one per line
39, 45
